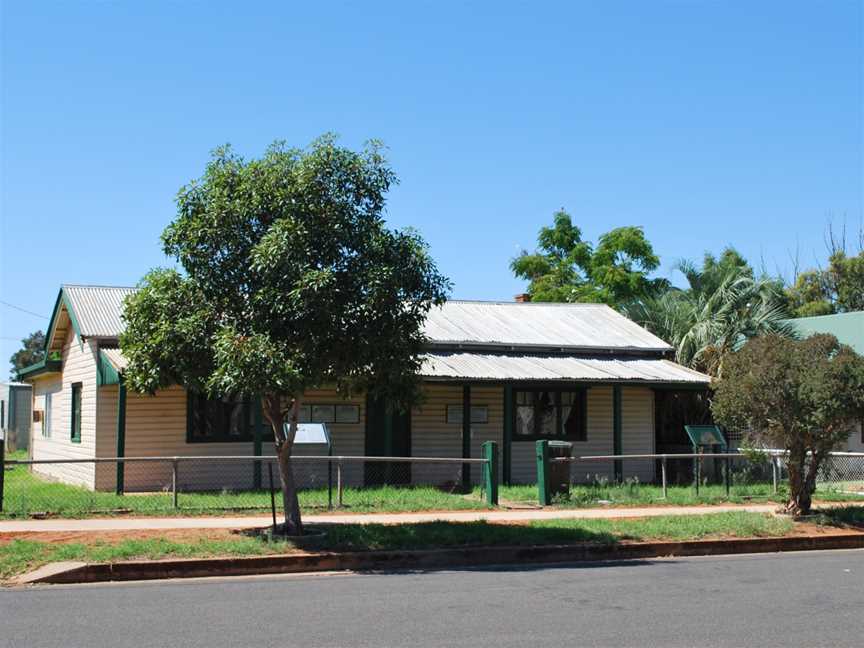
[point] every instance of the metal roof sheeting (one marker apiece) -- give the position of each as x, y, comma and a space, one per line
97, 309
492, 366
564, 326
115, 357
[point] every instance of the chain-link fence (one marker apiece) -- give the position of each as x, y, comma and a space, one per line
238, 485
744, 474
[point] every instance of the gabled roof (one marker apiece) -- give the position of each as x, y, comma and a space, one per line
92, 311
562, 327
848, 328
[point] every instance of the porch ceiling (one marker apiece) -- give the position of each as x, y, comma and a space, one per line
494, 366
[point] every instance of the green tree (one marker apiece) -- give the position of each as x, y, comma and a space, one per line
564, 268
723, 305
290, 281
802, 396
837, 289
32, 351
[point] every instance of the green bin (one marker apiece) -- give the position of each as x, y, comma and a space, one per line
553, 477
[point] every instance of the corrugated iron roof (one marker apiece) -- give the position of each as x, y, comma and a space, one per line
115, 357
464, 323
493, 366
565, 326
97, 308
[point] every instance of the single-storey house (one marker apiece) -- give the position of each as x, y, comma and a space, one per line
848, 328
525, 371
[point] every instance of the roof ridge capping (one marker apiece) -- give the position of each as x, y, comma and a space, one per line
100, 286
496, 302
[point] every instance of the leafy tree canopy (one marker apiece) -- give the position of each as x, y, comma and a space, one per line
802, 396
32, 351
837, 289
290, 280
564, 268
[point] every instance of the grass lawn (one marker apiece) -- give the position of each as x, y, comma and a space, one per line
18, 556
636, 494
26, 494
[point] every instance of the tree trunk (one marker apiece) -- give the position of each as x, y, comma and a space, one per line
293, 524
802, 483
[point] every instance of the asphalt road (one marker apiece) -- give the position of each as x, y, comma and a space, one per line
803, 599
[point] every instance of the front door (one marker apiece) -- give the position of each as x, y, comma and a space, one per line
388, 434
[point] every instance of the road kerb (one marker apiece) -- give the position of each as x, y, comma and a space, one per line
427, 559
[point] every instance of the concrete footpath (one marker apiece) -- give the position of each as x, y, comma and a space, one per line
212, 522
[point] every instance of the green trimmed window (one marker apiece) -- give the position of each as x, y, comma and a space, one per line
75, 435
218, 420
551, 414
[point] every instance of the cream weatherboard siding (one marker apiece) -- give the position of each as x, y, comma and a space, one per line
79, 366
433, 436
637, 431
156, 426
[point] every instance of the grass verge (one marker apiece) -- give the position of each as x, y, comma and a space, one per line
19, 556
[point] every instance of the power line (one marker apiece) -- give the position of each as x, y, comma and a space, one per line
23, 310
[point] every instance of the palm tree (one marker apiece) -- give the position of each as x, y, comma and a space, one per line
723, 306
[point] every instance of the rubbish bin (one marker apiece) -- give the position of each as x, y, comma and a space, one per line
553, 477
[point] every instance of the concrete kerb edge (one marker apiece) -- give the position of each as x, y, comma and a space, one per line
424, 559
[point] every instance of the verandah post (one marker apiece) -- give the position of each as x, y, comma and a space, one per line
617, 445
2, 466
490, 472
120, 481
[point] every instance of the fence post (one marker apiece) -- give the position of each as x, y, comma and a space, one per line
774, 477
174, 481
490, 472
728, 475
339, 483
696, 471
543, 490
2, 467
663, 474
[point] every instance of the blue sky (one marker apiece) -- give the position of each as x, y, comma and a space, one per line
707, 123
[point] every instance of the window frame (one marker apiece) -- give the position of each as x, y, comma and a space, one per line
75, 412
457, 409
194, 399
581, 401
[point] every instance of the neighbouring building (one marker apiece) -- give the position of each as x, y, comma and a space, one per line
525, 371
15, 401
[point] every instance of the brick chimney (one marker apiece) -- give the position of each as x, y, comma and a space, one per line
522, 298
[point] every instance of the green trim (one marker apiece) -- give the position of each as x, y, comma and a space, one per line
121, 436
541, 451
490, 471
617, 443
106, 373
509, 422
43, 366
62, 298
75, 411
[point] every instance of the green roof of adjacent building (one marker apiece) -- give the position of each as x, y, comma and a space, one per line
846, 327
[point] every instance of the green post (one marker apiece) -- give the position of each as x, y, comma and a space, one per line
617, 445
2, 466
121, 437
509, 420
543, 490
490, 472
257, 433
728, 476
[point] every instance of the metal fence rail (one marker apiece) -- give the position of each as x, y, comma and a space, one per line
234, 482
842, 471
